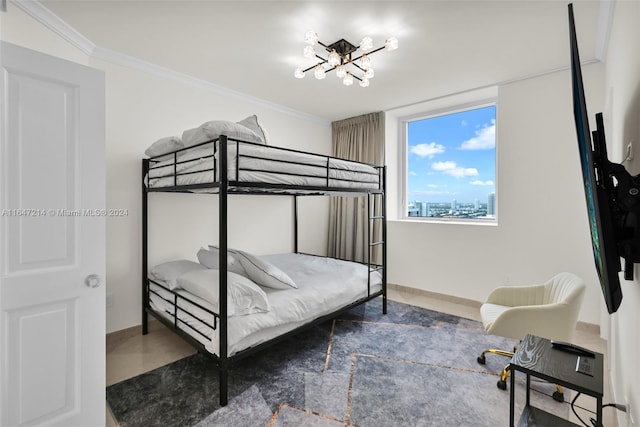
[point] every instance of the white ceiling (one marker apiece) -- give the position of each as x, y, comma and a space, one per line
253, 47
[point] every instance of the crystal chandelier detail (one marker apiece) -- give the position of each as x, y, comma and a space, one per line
348, 60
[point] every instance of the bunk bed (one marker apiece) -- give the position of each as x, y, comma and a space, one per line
226, 166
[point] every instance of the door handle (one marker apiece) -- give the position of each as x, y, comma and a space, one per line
93, 281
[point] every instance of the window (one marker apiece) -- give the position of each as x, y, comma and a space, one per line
451, 165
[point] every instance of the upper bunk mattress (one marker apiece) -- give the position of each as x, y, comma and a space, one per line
250, 163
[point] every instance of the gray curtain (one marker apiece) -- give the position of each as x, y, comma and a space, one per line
362, 139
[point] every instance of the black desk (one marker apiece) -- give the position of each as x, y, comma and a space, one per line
536, 357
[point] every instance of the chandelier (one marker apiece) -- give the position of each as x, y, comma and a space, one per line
350, 61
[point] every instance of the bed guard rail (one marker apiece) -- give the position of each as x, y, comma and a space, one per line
251, 164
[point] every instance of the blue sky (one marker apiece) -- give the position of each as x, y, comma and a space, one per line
452, 157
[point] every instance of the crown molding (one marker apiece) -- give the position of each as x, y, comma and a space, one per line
53, 22
135, 63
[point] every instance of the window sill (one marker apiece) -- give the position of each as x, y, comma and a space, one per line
466, 221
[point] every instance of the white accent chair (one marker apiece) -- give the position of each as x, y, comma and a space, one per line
549, 310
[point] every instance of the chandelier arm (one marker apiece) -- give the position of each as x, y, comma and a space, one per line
358, 67
308, 69
314, 66
369, 53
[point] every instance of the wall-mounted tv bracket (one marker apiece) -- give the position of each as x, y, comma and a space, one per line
625, 203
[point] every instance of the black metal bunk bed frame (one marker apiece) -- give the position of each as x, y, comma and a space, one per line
224, 187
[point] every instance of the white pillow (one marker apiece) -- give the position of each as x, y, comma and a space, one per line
210, 258
243, 296
235, 266
251, 122
169, 272
213, 129
164, 145
265, 273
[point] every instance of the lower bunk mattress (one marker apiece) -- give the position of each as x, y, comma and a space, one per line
325, 285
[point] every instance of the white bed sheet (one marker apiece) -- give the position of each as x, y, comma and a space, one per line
324, 285
260, 163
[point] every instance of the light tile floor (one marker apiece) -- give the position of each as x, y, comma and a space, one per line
129, 353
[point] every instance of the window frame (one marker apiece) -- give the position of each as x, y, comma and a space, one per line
403, 158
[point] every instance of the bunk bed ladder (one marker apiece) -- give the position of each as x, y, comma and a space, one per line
377, 250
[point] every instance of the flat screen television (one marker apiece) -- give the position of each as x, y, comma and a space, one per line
612, 194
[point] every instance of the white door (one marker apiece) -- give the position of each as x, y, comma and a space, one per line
52, 249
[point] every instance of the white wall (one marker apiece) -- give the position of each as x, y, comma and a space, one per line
18, 28
542, 221
142, 107
622, 116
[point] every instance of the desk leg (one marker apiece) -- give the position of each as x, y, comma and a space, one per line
512, 399
599, 412
528, 389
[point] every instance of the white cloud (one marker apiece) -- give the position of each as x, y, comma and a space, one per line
412, 173
479, 182
485, 138
443, 166
427, 150
451, 168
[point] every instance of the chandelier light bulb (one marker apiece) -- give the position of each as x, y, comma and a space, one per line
299, 74
319, 72
364, 82
348, 80
391, 43
341, 71
311, 38
334, 58
369, 73
365, 62
366, 44
309, 52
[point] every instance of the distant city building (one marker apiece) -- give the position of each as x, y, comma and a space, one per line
423, 208
491, 204
453, 209
418, 208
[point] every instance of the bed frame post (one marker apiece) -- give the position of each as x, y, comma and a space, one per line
295, 223
222, 262
145, 294
384, 239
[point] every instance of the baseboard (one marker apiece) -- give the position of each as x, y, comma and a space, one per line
591, 328
580, 326
435, 295
114, 338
